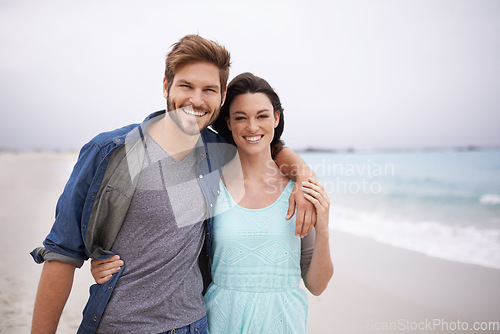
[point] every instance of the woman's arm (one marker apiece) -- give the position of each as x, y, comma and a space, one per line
292, 165
320, 270
103, 270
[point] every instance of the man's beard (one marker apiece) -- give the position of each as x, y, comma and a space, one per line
180, 120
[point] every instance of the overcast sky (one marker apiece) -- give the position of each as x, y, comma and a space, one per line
351, 73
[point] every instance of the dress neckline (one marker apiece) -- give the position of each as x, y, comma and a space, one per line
285, 190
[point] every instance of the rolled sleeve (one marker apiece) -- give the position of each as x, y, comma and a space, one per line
42, 254
65, 242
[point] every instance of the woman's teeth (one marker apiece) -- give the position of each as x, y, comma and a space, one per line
253, 139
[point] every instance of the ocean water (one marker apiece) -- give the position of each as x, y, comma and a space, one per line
444, 204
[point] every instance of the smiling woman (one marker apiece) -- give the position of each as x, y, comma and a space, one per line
258, 261
248, 83
252, 120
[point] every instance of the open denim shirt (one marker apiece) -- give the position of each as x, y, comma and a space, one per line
96, 198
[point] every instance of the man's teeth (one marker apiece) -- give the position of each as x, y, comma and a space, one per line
256, 138
194, 113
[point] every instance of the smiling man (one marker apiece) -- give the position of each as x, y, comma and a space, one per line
146, 192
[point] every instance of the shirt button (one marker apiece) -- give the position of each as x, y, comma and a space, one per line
94, 318
200, 176
211, 205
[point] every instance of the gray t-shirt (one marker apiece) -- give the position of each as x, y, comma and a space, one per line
160, 241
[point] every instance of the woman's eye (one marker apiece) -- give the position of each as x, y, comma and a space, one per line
239, 118
263, 116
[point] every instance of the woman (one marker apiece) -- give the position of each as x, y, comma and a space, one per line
257, 261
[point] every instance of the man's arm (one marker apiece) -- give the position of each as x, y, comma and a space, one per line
53, 292
292, 165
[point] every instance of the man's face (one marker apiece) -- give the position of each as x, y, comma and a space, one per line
194, 99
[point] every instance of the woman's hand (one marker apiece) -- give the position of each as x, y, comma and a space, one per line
315, 193
305, 218
103, 270
320, 270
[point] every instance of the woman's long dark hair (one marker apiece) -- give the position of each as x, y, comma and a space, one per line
249, 83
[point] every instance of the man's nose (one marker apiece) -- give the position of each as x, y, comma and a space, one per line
196, 98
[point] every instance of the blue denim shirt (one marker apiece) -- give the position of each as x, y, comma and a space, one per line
96, 198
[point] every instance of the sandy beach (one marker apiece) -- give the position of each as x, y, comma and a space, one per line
376, 288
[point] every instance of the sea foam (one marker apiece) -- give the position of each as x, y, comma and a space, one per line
456, 243
490, 199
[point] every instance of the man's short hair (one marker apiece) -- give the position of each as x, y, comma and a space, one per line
194, 48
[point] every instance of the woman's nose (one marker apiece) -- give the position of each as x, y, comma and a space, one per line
252, 126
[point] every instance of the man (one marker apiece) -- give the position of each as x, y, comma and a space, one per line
147, 192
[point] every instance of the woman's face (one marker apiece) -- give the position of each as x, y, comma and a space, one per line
252, 121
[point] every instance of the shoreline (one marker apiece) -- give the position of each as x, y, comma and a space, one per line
374, 284
305, 150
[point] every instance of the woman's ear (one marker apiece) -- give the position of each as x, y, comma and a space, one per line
276, 118
228, 121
